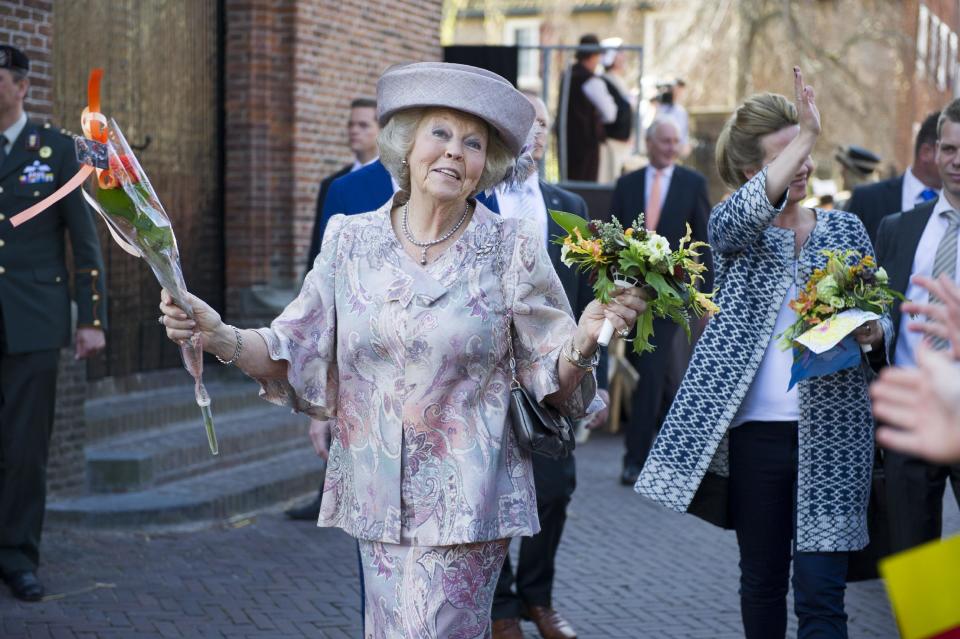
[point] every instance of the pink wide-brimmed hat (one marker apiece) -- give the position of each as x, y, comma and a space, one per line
472, 90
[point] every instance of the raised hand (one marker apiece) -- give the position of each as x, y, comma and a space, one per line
919, 408
807, 112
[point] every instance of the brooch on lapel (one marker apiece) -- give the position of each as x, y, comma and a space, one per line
36, 173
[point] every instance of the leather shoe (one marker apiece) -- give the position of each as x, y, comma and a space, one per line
24, 585
550, 624
507, 629
629, 475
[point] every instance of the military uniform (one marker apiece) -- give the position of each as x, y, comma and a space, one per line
35, 322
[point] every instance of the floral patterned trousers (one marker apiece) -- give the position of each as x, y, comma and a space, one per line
430, 592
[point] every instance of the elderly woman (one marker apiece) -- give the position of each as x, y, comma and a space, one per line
401, 334
798, 461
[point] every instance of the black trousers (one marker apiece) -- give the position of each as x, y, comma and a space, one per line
915, 498
763, 487
660, 375
555, 481
28, 390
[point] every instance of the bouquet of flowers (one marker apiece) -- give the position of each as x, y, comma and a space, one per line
847, 292
127, 203
617, 257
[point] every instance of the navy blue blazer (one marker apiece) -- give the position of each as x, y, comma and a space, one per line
873, 202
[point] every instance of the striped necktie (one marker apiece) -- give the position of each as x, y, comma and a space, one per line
945, 261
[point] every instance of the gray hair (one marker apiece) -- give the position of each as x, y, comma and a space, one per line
659, 121
396, 140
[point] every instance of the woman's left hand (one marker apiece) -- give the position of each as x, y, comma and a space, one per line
870, 333
622, 311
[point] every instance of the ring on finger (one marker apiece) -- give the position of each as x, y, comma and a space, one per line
623, 332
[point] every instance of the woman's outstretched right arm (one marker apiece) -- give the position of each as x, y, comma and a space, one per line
219, 338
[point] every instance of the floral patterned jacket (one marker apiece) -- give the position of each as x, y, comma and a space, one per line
412, 362
754, 262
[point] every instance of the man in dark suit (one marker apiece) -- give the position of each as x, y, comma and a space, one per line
919, 183
35, 314
362, 130
671, 197
554, 480
922, 241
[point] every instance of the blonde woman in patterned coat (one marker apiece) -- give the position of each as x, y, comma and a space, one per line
798, 463
400, 334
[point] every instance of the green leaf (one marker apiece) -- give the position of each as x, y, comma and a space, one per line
116, 202
660, 285
603, 287
570, 221
641, 343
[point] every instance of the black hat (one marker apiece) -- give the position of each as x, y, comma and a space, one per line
858, 159
14, 59
590, 45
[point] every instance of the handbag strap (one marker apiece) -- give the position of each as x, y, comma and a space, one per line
507, 306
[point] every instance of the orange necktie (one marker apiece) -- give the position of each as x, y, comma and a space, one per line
652, 215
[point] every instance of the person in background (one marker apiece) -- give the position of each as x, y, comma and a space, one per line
671, 197
554, 479
919, 183
921, 241
858, 166
587, 105
35, 314
618, 144
670, 105
362, 130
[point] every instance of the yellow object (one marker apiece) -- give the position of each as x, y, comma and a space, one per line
923, 584
45, 152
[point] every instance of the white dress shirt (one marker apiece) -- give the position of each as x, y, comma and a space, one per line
524, 201
908, 341
665, 176
912, 188
596, 91
14, 132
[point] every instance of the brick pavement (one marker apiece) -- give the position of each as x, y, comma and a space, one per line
627, 569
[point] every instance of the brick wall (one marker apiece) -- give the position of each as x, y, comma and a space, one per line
292, 70
26, 24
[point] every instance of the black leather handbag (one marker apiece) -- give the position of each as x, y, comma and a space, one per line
540, 430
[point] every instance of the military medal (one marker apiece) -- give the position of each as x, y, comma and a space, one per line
45, 152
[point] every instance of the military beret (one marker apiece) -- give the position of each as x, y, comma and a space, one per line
856, 158
14, 59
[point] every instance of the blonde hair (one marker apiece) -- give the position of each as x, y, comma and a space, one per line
738, 147
396, 140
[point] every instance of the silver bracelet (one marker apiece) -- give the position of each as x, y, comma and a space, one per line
236, 351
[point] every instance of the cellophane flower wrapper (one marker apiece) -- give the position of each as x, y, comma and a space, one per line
135, 216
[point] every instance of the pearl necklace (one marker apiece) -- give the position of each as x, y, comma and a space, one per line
425, 245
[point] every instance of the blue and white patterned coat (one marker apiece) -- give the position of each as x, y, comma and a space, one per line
754, 270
